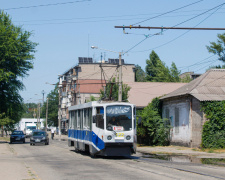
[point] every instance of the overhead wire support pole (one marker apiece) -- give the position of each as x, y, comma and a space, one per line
178, 28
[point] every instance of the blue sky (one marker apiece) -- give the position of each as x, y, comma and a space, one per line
68, 29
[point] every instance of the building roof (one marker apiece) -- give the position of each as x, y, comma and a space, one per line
91, 86
142, 93
208, 87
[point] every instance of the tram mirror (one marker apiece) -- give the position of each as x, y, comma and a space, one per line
94, 119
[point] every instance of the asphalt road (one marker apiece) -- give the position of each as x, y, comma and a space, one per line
58, 161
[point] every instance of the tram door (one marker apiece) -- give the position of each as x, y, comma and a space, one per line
98, 127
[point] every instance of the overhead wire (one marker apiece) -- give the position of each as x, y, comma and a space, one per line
195, 64
167, 12
87, 18
174, 26
44, 5
186, 31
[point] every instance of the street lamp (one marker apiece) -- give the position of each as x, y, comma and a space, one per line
120, 71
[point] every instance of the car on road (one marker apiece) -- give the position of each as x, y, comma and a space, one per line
17, 136
39, 137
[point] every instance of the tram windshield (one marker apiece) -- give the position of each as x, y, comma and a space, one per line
119, 117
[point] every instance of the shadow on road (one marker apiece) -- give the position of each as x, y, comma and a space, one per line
83, 153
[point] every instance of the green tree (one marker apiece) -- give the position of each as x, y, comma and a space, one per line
140, 75
218, 47
53, 101
154, 130
16, 55
111, 91
174, 73
157, 71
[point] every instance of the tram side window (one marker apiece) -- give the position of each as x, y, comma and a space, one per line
85, 118
78, 119
99, 117
86, 114
75, 117
90, 117
72, 119
81, 119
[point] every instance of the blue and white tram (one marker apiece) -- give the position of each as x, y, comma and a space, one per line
103, 128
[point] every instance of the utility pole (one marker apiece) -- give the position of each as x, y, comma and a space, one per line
120, 79
59, 114
46, 121
38, 115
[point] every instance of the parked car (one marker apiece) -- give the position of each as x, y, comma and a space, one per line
39, 137
18, 136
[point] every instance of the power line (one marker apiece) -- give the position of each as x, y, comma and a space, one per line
44, 5
98, 17
167, 12
200, 62
183, 33
216, 7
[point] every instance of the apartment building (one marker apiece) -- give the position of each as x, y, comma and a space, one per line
84, 81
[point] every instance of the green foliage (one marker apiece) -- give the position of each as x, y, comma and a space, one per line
213, 135
92, 98
140, 75
157, 71
218, 47
174, 73
29, 110
111, 91
53, 101
16, 57
154, 130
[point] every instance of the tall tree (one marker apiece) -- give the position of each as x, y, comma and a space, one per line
218, 47
16, 59
157, 71
140, 75
174, 73
53, 101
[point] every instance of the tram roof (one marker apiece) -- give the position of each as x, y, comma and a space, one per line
97, 103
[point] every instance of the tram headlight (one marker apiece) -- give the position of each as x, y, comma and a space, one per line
128, 137
109, 137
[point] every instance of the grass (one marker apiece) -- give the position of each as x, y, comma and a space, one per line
5, 139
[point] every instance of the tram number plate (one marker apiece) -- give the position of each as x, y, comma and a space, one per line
119, 134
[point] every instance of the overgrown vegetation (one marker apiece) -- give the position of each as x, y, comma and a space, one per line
153, 130
213, 135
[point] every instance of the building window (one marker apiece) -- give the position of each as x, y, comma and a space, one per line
177, 120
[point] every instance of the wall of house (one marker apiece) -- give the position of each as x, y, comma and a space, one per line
93, 71
178, 111
197, 123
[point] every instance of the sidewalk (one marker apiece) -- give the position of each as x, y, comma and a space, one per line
179, 150
11, 166
171, 150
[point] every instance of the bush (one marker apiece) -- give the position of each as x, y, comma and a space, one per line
213, 134
153, 129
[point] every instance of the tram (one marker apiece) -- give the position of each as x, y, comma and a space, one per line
103, 128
